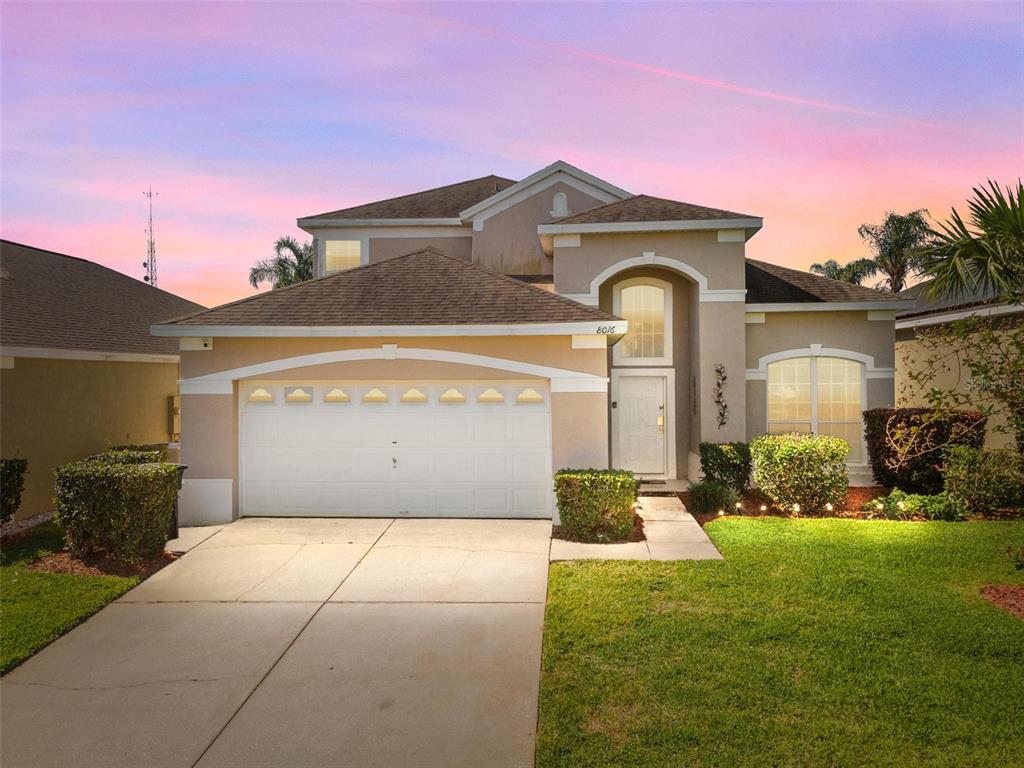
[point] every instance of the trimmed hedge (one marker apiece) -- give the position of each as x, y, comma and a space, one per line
727, 464
129, 456
124, 510
801, 473
922, 474
914, 506
160, 448
596, 504
710, 496
12, 484
984, 482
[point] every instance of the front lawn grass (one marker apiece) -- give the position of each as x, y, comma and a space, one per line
36, 608
814, 643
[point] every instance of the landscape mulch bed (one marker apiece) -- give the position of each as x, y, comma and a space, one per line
1008, 596
99, 565
637, 534
752, 501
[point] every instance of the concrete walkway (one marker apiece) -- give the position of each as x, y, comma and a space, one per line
672, 534
302, 643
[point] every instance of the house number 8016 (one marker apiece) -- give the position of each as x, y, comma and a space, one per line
606, 329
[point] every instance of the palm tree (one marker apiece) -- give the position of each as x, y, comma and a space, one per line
988, 256
292, 263
895, 243
854, 272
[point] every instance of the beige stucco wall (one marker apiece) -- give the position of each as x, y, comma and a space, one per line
382, 248
911, 356
209, 423
721, 263
683, 299
56, 411
851, 331
508, 242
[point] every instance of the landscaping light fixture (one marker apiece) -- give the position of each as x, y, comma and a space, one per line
828, 506
764, 507
796, 507
739, 505
721, 512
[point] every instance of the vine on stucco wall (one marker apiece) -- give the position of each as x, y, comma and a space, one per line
719, 395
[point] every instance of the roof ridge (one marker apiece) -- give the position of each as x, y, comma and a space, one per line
90, 262
412, 194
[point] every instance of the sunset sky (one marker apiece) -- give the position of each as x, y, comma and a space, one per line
246, 116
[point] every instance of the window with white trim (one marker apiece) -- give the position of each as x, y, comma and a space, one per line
822, 395
647, 304
340, 255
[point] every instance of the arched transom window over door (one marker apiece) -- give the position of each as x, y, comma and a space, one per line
823, 395
647, 304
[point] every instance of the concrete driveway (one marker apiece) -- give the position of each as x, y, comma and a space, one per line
302, 642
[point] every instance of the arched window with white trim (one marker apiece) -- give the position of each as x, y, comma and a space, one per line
822, 395
646, 303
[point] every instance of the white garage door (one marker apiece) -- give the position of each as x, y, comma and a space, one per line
441, 449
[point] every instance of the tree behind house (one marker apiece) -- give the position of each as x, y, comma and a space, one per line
854, 272
895, 243
292, 262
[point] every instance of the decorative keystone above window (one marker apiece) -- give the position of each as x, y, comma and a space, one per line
375, 395
297, 395
413, 395
452, 396
260, 396
337, 396
491, 395
529, 396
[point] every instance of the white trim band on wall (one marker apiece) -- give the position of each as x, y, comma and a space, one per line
817, 350
55, 353
562, 380
610, 327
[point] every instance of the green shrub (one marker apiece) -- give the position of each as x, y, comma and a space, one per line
726, 464
12, 483
129, 456
921, 474
596, 504
125, 510
710, 496
899, 505
801, 473
984, 482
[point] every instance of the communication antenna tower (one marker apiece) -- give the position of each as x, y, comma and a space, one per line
150, 262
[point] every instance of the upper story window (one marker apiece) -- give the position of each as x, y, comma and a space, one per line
823, 395
342, 254
647, 304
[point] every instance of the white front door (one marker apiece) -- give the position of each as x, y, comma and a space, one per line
640, 417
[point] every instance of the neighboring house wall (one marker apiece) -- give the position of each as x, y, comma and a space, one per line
508, 241
911, 356
209, 423
56, 411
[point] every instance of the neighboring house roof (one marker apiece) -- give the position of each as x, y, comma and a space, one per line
426, 287
55, 301
771, 284
439, 203
924, 305
640, 208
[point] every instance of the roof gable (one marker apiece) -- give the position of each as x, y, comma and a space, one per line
55, 301
545, 177
426, 287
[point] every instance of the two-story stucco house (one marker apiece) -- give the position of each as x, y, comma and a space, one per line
461, 344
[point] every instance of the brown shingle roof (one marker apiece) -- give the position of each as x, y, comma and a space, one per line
426, 287
51, 300
647, 208
772, 284
440, 203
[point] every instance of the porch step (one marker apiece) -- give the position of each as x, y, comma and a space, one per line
663, 486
